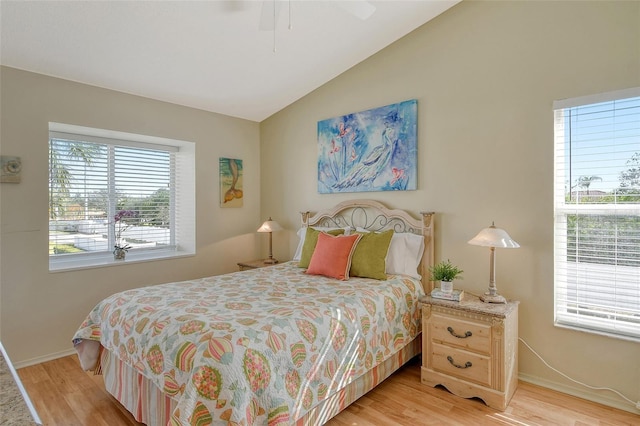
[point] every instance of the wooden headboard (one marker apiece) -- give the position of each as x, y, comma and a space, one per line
374, 216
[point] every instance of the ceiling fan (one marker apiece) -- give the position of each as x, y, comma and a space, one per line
271, 10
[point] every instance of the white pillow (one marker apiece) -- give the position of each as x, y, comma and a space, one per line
302, 233
405, 253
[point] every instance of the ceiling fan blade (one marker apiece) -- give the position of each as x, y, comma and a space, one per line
233, 6
361, 9
269, 19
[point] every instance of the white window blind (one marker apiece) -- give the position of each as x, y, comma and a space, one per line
111, 187
597, 213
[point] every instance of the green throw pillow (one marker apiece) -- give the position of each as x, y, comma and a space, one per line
310, 241
369, 259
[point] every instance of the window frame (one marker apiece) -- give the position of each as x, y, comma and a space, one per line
563, 315
183, 196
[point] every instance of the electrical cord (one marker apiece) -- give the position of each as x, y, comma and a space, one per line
636, 404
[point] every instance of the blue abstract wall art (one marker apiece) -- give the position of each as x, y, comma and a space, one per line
373, 150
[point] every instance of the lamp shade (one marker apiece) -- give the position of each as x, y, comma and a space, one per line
270, 226
493, 237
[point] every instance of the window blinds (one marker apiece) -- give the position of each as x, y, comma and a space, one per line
92, 179
597, 214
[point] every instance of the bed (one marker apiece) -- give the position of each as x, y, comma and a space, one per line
274, 345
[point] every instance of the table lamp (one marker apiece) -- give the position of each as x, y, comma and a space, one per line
493, 237
270, 226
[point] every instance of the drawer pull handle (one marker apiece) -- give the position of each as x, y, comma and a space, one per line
466, 364
459, 336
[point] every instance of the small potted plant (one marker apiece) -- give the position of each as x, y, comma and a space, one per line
445, 272
120, 225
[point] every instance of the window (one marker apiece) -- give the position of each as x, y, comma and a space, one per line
597, 213
108, 188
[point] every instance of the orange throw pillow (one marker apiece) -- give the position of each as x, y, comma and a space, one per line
332, 256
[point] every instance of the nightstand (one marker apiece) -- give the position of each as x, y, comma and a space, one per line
253, 264
471, 348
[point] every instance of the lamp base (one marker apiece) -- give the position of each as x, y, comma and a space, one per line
495, 298
270, 261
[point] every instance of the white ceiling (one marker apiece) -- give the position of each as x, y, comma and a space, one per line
210, 55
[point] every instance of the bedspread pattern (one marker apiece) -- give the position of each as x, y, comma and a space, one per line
255, 347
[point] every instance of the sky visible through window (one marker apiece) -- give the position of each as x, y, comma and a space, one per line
139, 172
603, 137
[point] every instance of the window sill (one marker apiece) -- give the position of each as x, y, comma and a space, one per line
585, 329
106, 260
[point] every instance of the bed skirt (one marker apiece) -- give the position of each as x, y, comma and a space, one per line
150, 406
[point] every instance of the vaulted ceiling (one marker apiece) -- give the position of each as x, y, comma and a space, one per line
219, 56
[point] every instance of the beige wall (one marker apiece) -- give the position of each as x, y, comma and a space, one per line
40, 311
485, 75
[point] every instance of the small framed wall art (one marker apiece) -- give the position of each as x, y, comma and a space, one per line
10, 168
373, 150
231, 194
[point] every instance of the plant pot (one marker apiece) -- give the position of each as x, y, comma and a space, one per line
446, 287
119, 254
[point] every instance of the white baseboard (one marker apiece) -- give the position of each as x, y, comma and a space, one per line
611, 400
44, 358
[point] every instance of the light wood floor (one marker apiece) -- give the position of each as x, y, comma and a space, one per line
64, 395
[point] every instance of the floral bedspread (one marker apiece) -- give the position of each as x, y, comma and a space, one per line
256, 347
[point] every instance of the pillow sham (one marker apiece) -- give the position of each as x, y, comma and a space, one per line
369, 257
332, 256
405, 253
310, 241
302, 232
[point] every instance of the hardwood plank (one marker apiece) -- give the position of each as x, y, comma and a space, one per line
64, 395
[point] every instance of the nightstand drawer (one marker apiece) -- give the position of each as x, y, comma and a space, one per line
460, 333
459, 363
